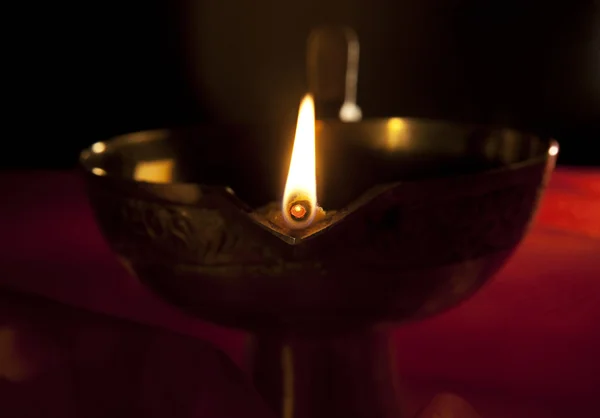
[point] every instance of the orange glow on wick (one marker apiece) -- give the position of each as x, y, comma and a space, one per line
298, 211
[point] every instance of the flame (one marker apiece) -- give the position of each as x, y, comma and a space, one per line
300, 194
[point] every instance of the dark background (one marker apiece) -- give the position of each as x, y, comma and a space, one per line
80, 72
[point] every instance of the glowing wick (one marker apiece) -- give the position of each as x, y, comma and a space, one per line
299, 211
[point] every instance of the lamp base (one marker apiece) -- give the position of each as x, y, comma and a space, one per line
351, 375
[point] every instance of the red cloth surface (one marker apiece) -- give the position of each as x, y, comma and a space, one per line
525, 346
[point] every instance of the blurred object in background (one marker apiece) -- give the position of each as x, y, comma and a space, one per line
87, 72
332, 63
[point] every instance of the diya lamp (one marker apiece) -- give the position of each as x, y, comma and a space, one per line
418, 216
